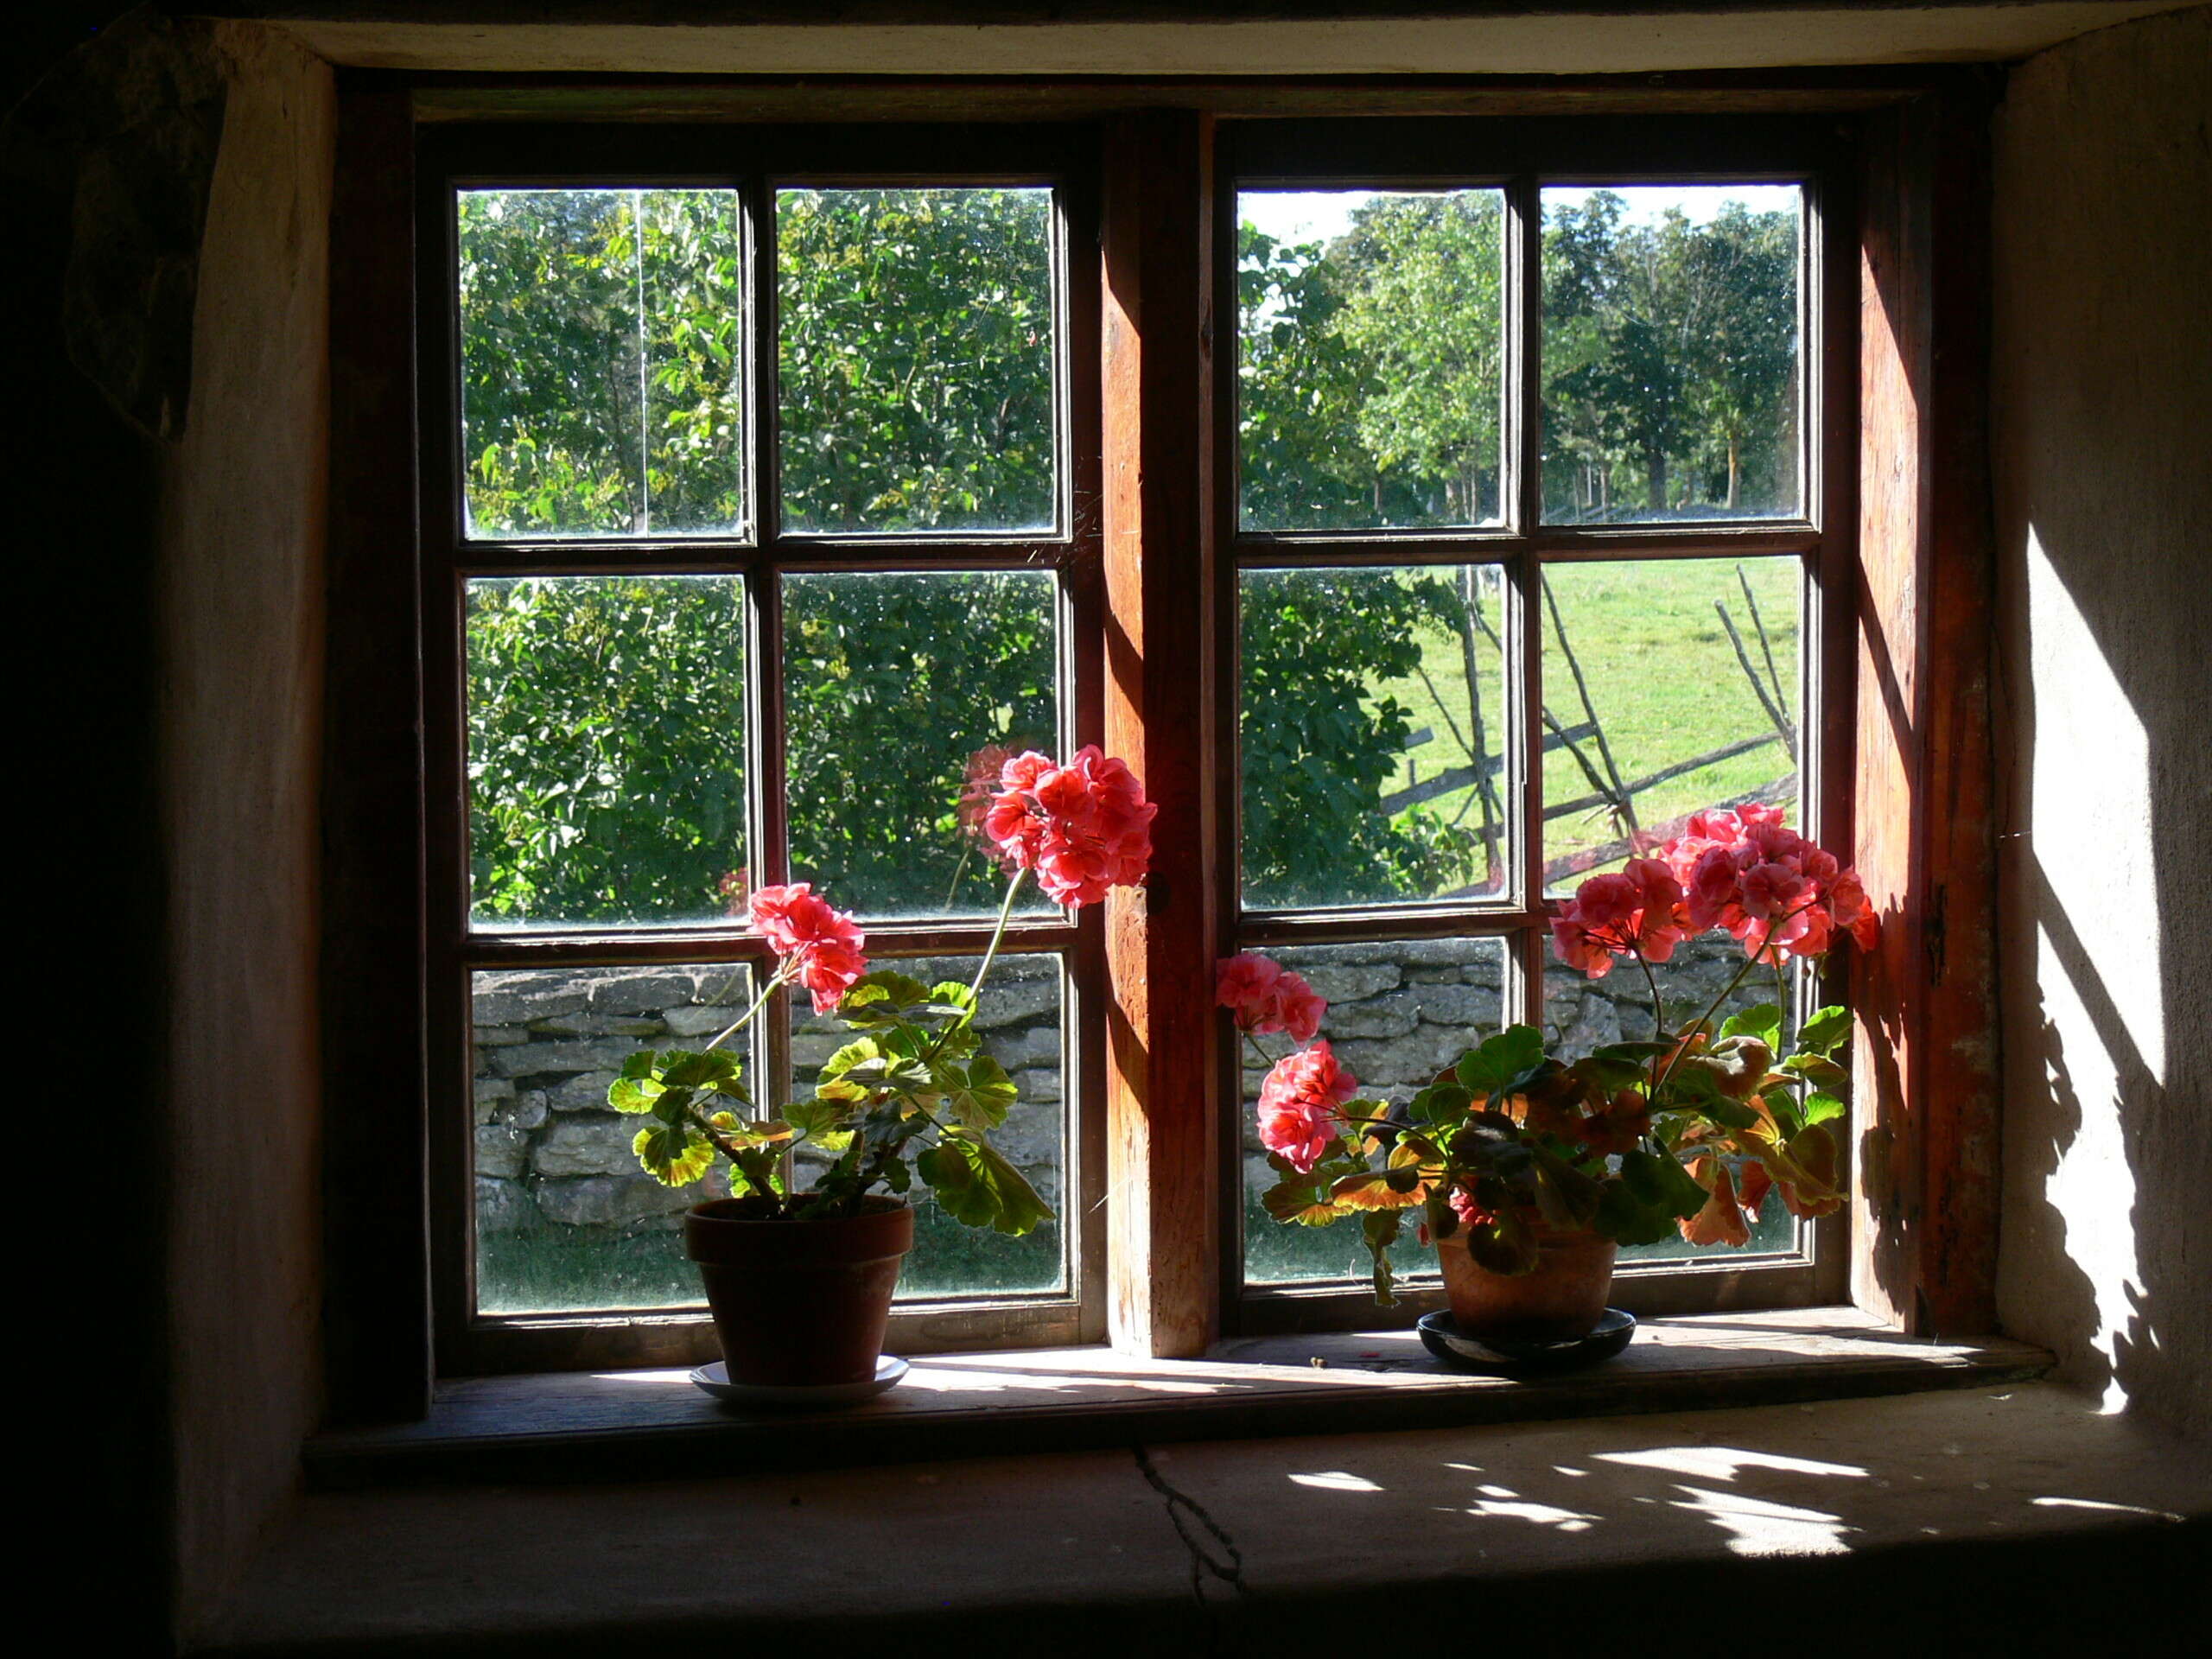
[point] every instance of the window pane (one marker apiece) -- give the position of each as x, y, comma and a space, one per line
915, 352
897, 688
1671, 380
1581, 1014
1372, 731
1398, 1014
602, 347
1688, 697
606, 748
565, 1219
1370, 332
1021, 1024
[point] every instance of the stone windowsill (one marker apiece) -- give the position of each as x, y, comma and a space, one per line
654, 1424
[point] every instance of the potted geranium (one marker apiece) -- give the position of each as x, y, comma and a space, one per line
1528, 1169
800, 1282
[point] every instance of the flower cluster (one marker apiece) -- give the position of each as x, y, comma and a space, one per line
1299, 1102
1743, 870
979, 787
818, 943
1084, 828
1263, 996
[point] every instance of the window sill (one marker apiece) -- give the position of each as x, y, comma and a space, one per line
651, 1425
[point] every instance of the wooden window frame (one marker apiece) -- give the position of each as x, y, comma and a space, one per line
1899, 616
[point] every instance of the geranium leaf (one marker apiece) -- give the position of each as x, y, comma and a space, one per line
1762, 1019
1826, 1031
675, 1154
975, 1185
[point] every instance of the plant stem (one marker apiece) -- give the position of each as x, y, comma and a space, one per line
1727, 991
990, 955
782, 974
1658, 1009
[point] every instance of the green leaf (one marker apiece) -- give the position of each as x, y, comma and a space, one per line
977, 1186
1565, 1198
1501, 1062
1380, 1229
1441, 1102
1821, 1073
1819, 1109
1826, 1031
1762, 1021
1298, 1199
1661, 1182
675, 1154
639, 1065
1626, 1220
686, 1069
629, 1094
881, 998
978, 1095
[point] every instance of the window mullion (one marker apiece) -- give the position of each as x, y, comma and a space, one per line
1525, 677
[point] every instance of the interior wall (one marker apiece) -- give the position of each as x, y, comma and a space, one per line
2102, 447
240, 717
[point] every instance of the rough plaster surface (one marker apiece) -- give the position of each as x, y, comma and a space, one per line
2103, 438
1559, 41
240, 584
1854, 1517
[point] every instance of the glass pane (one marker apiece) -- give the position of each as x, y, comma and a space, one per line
1398, 1014
1370, 329
1581, 1014
1019, 1022
1671, 378
898, 688
602, 351
565, 1219
915, 352
1669, 685
1372, 726
606, 748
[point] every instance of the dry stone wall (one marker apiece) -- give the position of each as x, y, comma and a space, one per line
550, 1155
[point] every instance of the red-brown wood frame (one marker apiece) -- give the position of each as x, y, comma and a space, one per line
1923, 1243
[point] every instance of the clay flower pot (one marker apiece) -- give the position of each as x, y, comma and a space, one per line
799, 1303
1561, 1300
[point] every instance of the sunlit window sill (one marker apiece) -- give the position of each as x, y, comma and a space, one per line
1966, 1519
654, 1424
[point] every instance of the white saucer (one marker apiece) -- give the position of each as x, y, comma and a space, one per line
715, 1379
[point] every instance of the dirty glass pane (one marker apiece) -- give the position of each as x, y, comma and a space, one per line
899, 690
1021, 1022
1370, 346
1670, 685
1373, 731
606, 749
915, 355
602, 352
565, 1219
1399, 1013
1672, 383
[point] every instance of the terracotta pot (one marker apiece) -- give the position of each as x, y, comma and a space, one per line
799, 1302
1562, 1300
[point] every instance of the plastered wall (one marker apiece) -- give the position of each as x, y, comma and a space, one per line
2102, 447
240, 716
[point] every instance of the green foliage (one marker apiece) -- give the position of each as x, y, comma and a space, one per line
915, 359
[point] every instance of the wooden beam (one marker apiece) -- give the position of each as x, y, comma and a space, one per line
375, 1213
1162, 583
1925, 1165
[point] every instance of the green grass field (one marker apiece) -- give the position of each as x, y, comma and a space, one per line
566, 1269
1662, 676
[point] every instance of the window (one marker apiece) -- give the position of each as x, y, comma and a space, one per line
761, 495
753, 524
1528, 541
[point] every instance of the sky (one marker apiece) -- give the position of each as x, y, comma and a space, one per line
1312, 215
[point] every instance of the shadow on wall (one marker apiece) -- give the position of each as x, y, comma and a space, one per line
2102, 419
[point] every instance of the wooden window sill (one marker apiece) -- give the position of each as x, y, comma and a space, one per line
654, 1425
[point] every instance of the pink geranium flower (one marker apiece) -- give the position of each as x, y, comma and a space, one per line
1748, 872
820, 945
1298, 1105
1245, 985
1084, 828
1639, 909
1263, 997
